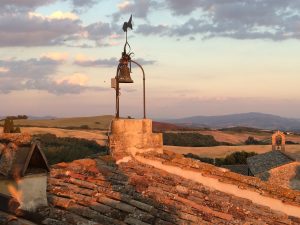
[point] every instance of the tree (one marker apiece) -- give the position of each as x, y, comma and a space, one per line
9, 126
252, 141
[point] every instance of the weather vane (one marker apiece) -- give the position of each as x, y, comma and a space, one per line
124, 70
127, 25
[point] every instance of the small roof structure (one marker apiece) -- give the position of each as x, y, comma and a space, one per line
267, 161
17, 161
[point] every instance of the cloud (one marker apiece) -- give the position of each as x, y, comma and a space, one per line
56, 56
20, 5
111, 62
144, 61
31, 30
139, 8
98, 32
239, 19
147, 29
124, 5
82, 5
75, 79
4, 69
97, 62
81, 58
21, 25
57, 15
39, 74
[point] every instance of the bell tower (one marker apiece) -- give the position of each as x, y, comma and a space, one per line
124, 71
278, 141
130, 136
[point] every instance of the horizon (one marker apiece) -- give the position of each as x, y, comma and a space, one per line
204, 58
155, 119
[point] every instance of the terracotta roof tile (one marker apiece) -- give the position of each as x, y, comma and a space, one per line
98, 191
135, 193
266, 161
251, 183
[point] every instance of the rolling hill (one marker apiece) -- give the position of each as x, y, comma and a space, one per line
255, 120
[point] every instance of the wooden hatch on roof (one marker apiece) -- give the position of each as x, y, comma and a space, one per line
18, 161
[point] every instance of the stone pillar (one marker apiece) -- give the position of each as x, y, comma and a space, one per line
130, 136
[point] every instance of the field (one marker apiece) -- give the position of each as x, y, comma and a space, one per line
94, 135
94, 128
239, 138
222, 151
96, 122
219, 151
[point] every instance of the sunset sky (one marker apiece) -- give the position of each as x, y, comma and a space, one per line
201, 57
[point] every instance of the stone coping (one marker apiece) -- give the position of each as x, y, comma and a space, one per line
288, 196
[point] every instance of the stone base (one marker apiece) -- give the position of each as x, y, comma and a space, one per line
131, 136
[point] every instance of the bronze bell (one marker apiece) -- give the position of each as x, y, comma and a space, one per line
124, 74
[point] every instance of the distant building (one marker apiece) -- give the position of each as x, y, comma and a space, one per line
259, 165
278, 141
276, 166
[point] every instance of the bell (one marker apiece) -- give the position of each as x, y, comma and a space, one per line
124, 75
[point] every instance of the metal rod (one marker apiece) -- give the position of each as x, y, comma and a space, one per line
144, 86
117, 94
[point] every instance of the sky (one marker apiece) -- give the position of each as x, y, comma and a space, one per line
201, 57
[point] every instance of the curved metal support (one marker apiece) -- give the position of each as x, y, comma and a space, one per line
144, 86
118, 90
117, 93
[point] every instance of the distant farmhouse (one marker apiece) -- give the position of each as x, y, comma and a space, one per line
275, 166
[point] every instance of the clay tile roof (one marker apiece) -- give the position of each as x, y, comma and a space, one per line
266, 161
8, 219
98, 191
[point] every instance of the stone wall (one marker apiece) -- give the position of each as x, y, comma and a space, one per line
287, 176
130, 136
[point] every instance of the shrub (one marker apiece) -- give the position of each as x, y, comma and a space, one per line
235, 158
8, 126
190, 140
86, 127
202, 159
17, 130
59, 149
252, 141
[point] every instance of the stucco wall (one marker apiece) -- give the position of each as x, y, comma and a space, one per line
129, 136
30, 191
34, 192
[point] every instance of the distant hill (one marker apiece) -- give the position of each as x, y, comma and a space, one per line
254, 120
41, 117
